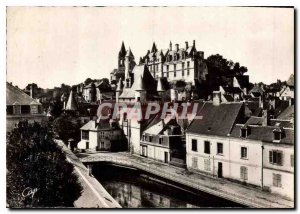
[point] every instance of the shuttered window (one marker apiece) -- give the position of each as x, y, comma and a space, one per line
194, 162
244, 152
275, 157
244, 173
207, 164
276, 180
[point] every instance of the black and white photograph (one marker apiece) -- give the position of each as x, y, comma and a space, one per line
113, 107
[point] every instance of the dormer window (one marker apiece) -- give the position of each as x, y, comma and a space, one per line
277, 134
244, 132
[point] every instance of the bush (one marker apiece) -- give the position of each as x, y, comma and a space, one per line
38, 174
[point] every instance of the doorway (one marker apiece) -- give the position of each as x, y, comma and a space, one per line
166, 157
220, 170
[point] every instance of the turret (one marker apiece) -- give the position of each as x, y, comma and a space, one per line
140, 94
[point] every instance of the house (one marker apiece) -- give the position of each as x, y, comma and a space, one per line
102, 134
267, 153
207, 139
163, 141
20, 106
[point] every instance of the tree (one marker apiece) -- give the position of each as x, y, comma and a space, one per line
67, 126
88, 81
38, 174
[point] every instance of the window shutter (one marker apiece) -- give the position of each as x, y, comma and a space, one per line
279, 158
270, 156
274, 180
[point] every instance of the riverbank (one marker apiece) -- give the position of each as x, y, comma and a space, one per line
235, 192
93, 195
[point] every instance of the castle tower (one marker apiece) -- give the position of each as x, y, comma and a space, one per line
129, 58
121, 57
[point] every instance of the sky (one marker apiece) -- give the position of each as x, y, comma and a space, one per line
54, 45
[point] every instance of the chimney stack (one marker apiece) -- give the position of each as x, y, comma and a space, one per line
31, 91
170, 45
266, 118
216, 98
194, 43
186, 45
177, 47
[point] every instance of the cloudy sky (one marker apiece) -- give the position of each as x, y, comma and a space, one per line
54, 45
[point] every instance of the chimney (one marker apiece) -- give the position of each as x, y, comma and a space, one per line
177, 47
216, 98
194, 43
170, 45
266, 118
261, 102
186, 45
31, 91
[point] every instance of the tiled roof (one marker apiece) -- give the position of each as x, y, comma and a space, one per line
216, 120
256, 89
264, 134
281, 123
234, 90
15, 95
255, 121
287, 114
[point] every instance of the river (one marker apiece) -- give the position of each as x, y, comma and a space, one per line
135, 189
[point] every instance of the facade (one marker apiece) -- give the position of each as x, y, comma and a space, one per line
20, 106
258, 152
102, 135
207, 140
275, 153
162, 141
175, 64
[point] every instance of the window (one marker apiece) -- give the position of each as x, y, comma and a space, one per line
194, 145
277, 135
194, 162
182, 69
150, 138
206, 164
244, 173
243, 132
174, 70
102, 145
160, 140
167, 67
16, 109
220, 148
244, 152
292, 160
275, 157
34, 109
207, 147
85, 135
188, 68
276, 180
167, 74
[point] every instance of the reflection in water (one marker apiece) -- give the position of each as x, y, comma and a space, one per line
131, 189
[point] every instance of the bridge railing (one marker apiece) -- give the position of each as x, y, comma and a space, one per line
191, 182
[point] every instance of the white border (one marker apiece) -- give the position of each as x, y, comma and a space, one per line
5, 3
